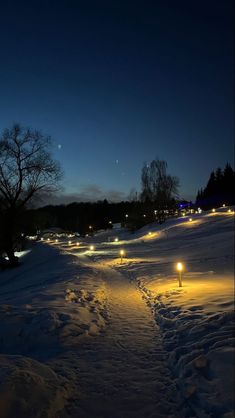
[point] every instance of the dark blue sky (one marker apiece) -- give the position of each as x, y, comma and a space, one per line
117, 83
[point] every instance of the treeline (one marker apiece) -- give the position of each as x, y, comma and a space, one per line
82, 217
219, 189
156, 202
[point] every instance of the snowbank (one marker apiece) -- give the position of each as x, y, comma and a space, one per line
31, 389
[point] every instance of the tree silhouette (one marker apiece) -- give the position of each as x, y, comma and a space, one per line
26, 169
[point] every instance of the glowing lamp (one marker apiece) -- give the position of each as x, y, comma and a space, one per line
90, 227
213, 210
92, 247
229, 211
116, 240
42, 239
190, 219
223, 205
126, 215
122, 254
179, 267
150, 233
70, 242
144, 216
48, 239
56, 240
77, 243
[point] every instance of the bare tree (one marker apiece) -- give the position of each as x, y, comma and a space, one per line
133, 195
158, 187
26, 169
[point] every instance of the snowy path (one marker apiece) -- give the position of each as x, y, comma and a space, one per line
123, 372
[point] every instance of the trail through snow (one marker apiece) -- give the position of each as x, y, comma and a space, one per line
124, 373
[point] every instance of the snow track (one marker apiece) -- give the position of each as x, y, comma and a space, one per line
124, 373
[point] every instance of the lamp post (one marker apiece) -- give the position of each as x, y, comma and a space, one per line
179, 267
122, 253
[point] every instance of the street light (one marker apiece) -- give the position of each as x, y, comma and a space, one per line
77, 243
190, 219
69, 242
179, 267
92, 247
116, 240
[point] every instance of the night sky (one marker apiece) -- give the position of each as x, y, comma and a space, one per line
118, 83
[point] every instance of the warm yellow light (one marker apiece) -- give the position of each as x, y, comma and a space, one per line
150, 233
48, 239
190, 219
229, 211
183, 214
77, 243
122, 253
179, 266
116, 240
56, 240
213, 210
92, 248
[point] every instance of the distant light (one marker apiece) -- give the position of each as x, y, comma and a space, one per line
90, 226
110, 222
69, 242
190, 219
179, 266
229, 211
213, 210
56, 240
155, 212
144, 216
150, 233
92, 247
126, 215
116, 239
183, 214
77, 243
42, 239
224, 205
48, 239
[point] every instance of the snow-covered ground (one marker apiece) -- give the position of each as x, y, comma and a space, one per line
77, 324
